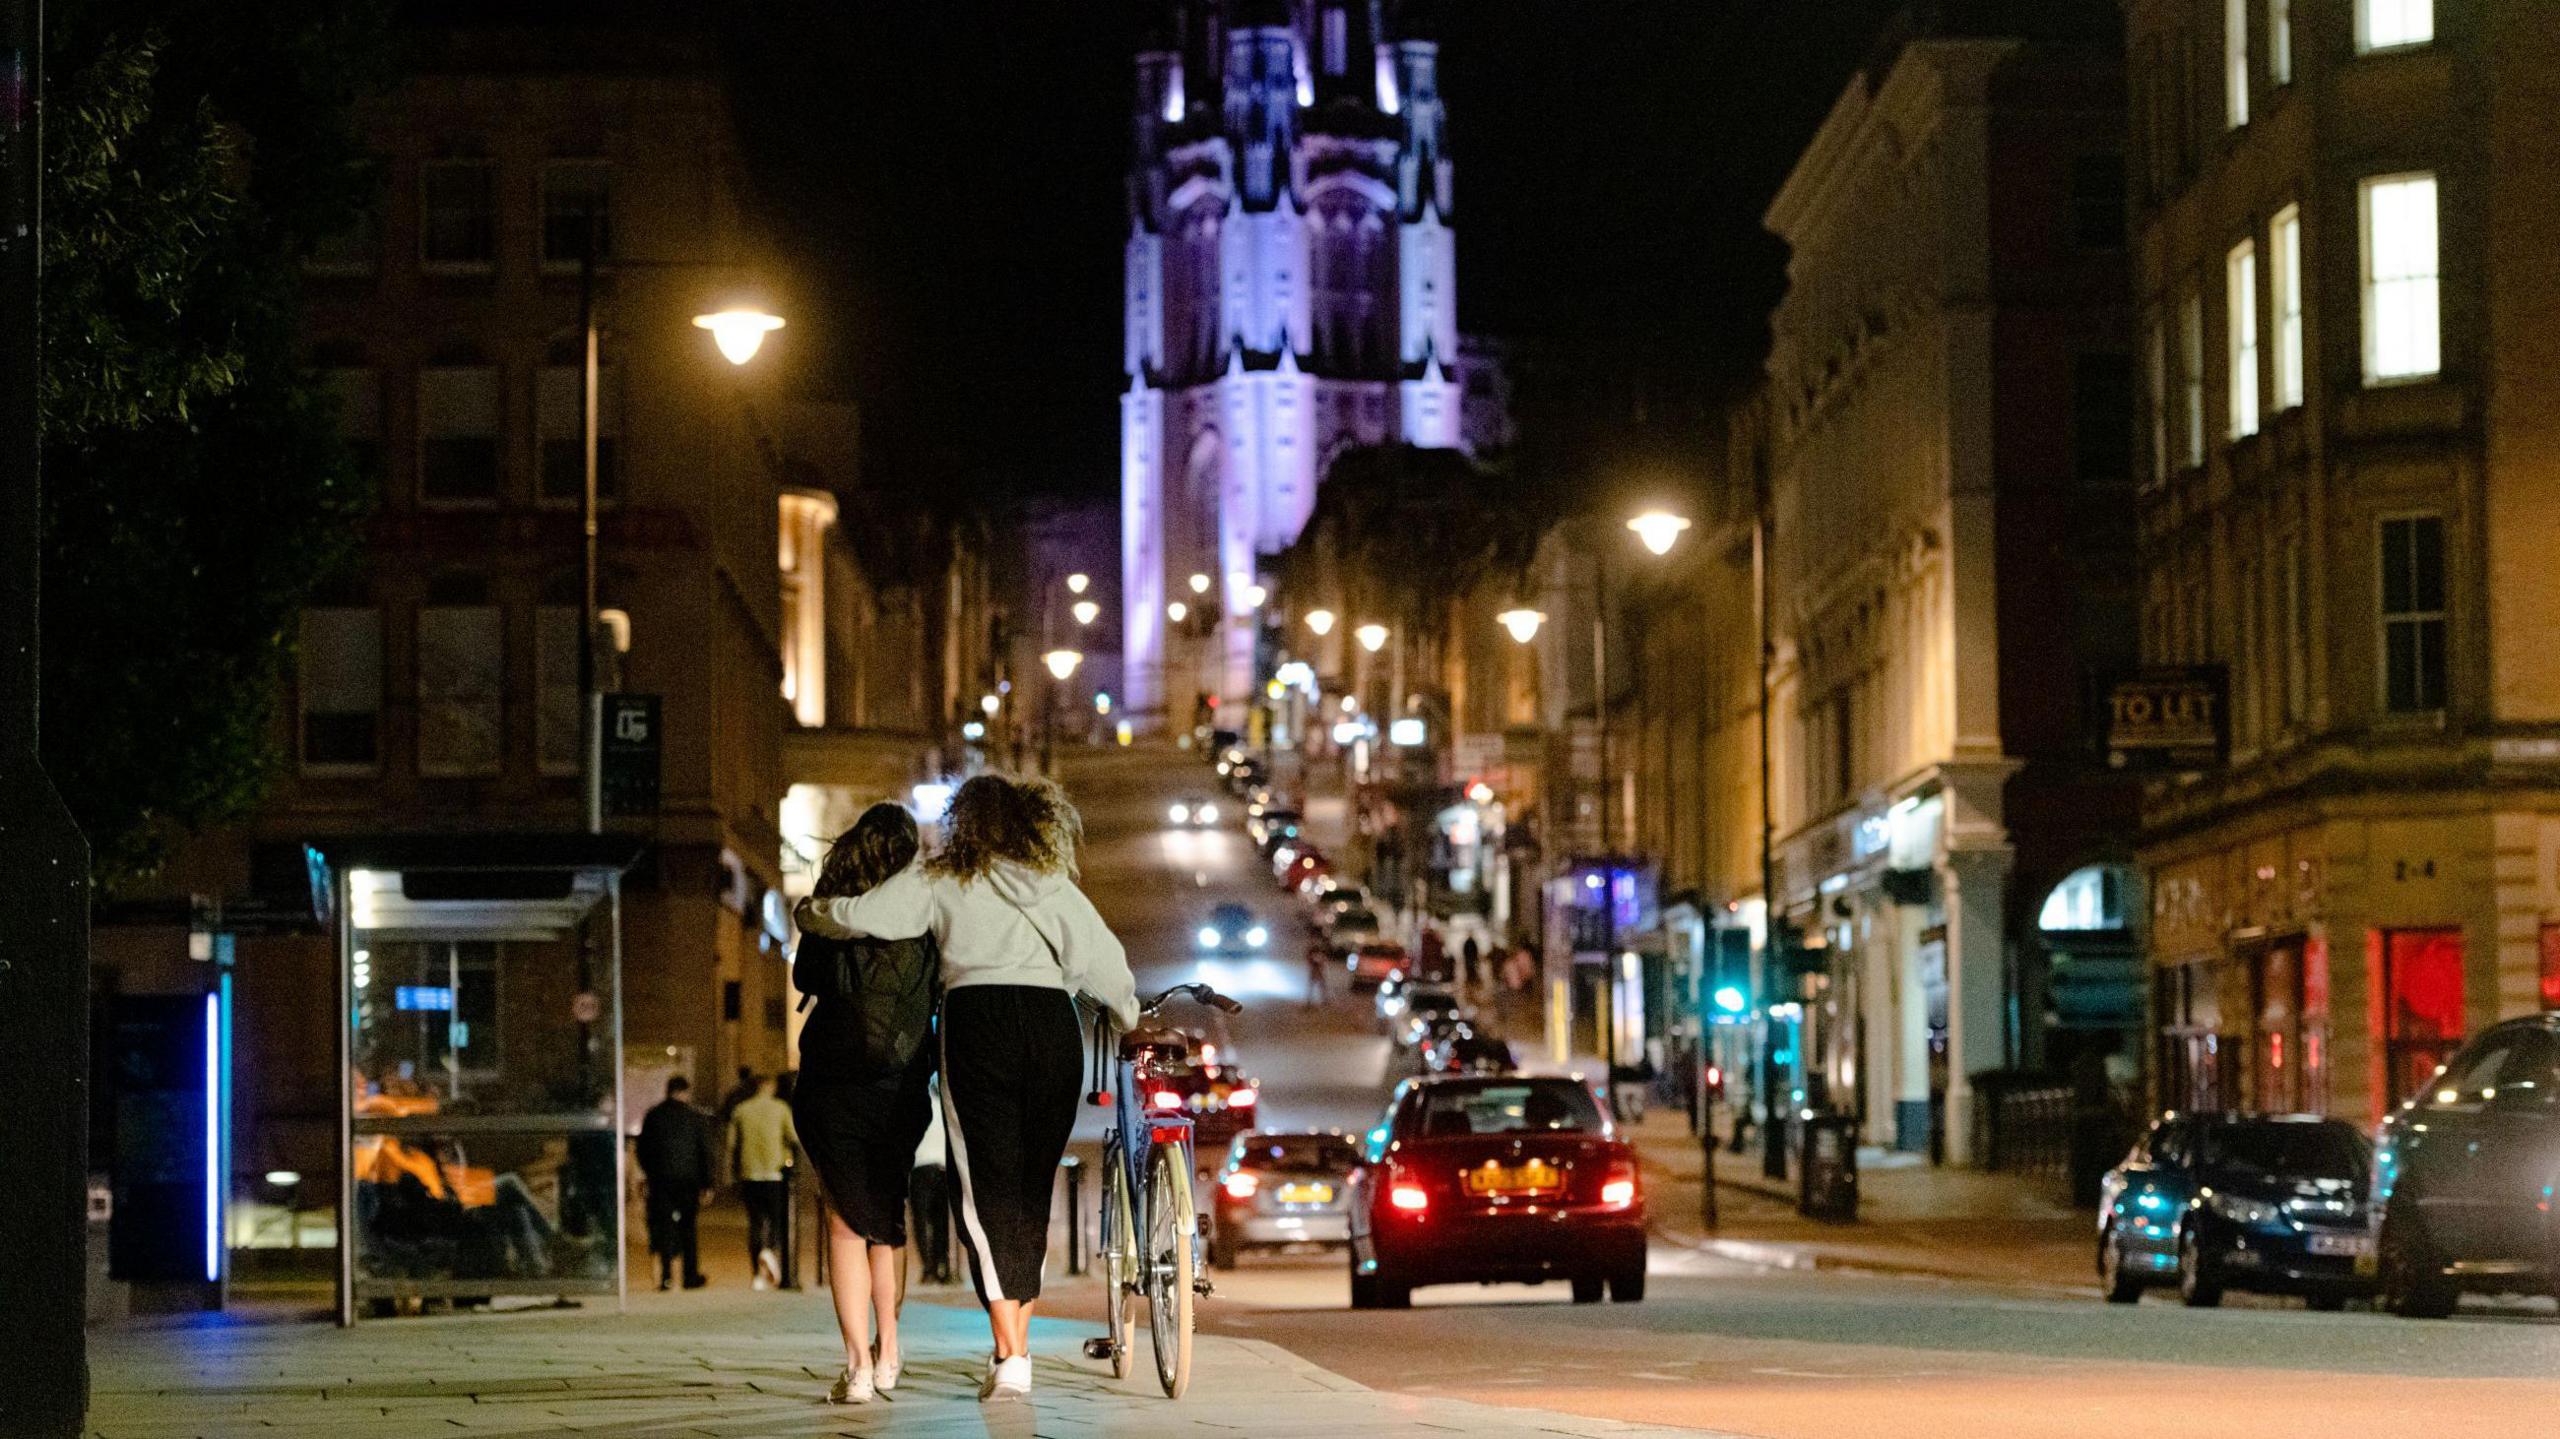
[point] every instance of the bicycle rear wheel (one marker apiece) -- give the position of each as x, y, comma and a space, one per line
1171, 1223
1120, 1267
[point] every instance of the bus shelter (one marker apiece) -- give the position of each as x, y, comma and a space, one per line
479, 1024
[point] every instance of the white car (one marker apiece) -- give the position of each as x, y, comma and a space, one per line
1352, 928
1195, 811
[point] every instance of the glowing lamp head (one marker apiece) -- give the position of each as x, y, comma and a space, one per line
1321, 621
1078, 582
1087, 612
1177, 612
1659, 529
1372, 637
1199, 584
1062, 663
989, 704
1254, 596
1522, 623
739, 333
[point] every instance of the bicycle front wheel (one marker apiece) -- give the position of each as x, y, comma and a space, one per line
1120, 1265
1171, 1222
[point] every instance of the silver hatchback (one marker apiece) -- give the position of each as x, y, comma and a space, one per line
1278, 1190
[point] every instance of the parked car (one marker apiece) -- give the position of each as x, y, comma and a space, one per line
1464, 1049
1246, 775
1193, 811
2209, 1202
2463, 1171
1304, 869
1233, 929
1424, 1023
1334, 895
1276, 1190
1285, 821
1486, 1179
1371, 961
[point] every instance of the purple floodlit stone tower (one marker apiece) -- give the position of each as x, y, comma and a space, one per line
1292, 290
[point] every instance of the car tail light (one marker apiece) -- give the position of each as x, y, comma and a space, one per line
1241, 1185
1619, 1189
1242, 1098
1409, 1197
1165, 1099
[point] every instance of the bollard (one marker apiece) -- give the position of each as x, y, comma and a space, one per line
1707, 1174
1075, 1213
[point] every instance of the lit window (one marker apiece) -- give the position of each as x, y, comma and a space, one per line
2191, 374
2241, 274
2235, 63
2402, 337
2386, 24
2284, 279
2413, 619
2280, 41
340, 671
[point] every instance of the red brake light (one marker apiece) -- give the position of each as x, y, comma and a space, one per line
1242, 1098
1618, 1191
1409, 1197
1165, 1099
1241, 1185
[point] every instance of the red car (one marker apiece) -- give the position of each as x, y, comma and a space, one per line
1484, 1179
1373, 961
1222, 1101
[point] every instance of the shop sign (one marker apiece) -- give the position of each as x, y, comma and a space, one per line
2169, 719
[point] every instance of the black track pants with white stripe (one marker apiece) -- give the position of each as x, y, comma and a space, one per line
1012, 1073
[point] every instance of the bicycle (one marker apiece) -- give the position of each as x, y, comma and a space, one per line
1151, 1228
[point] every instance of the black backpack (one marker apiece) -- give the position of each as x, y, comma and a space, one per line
890, 985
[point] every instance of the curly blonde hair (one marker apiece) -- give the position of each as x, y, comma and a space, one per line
1025, 819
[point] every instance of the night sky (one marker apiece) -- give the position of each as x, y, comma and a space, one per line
948, 177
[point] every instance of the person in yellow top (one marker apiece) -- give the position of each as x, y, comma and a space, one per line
762, 1143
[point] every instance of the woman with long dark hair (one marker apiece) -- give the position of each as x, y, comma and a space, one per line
859, 1118
1019, 941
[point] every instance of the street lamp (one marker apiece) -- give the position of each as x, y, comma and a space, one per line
1321, 621
989, 704
1523, 623
1659, 529
1254, 595
1372, 637
739, 333
1077, 582
1177, 612
1062, 666
1199, 584
1086, 611
1062, 663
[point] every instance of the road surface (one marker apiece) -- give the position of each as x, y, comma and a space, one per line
1724, 1346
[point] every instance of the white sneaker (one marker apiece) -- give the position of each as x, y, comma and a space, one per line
853, 1386
769, 1267
1007, 1379
758, 1284
884, 1372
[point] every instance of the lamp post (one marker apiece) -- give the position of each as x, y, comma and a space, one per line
739, 333
1062, 667
1659, 531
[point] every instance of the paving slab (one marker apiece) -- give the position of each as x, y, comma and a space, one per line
719, 1367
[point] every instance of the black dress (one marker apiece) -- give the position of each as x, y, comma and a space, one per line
860, 1128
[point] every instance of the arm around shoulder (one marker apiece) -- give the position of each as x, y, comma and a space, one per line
902, 907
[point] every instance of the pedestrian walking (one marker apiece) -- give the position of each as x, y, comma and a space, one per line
1319, 959
863, 1100
739, 1093
676, 1171
1468, 958
762, 1140
1018, 940
929, 1197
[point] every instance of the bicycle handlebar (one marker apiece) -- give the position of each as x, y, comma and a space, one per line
1199, 994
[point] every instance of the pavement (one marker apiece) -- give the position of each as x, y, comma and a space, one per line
718, 1364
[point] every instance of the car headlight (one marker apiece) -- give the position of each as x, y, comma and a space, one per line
1179, 814
2241, 1210
1257, 936
1208, 814
1209, 937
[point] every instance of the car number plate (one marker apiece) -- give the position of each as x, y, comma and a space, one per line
1535, 1176
1306, 1194
2352, 1245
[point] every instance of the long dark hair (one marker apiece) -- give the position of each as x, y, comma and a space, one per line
881, 843
1006, 817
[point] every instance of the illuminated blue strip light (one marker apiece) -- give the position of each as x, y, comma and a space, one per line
217, 1116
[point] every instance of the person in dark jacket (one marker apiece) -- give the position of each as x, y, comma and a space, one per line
861, 1126
676, 1159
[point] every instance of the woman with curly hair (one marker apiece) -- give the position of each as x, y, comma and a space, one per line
1019, 941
